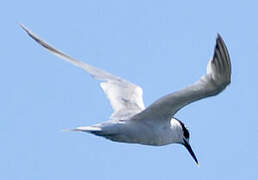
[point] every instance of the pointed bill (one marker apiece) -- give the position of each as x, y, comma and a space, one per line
188, 147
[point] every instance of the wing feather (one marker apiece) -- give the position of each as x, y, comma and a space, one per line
218, 76
125, 97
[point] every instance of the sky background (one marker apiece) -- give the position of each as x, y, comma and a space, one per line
161, 46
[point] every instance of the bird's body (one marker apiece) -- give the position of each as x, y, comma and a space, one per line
137, 131
155, 125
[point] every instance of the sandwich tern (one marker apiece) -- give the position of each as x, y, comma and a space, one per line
154, 125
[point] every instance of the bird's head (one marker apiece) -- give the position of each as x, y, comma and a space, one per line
184, 139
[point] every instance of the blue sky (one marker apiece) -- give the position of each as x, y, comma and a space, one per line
161, 46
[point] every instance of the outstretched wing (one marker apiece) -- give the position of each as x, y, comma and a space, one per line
125, 97
217, 78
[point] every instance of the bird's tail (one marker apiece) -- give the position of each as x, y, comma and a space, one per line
90, 129
96, 130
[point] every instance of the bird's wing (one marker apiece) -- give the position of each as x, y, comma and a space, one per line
216, 79
125, 97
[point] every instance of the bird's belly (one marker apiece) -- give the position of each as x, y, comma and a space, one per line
142, 134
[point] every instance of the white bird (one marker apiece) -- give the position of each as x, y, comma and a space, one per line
155, 125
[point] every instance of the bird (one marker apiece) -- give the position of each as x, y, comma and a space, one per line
155, 125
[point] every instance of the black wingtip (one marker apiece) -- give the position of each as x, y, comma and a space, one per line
220, 39
219, 36
221, 56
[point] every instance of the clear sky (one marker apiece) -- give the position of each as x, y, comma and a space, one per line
161, 46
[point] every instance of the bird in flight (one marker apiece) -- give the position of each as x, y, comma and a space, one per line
154, 125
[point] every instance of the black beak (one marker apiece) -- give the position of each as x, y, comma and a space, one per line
188, 147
